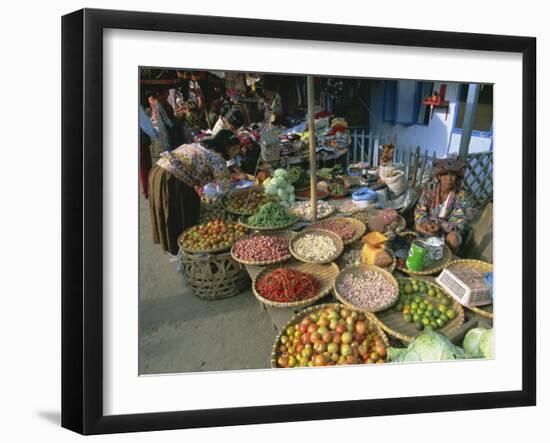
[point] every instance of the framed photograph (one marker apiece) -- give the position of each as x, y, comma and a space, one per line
269, 221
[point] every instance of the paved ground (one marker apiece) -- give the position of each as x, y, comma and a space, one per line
182, 333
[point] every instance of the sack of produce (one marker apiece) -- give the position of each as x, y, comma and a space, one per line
397, 182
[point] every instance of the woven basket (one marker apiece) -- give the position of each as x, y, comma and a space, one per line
324, 274
359, 227
213, 277
285, 234
393, 323
354, 270
335, 238
297, 318
480, 266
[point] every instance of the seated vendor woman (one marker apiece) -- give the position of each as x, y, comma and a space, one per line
174, 203
440, 211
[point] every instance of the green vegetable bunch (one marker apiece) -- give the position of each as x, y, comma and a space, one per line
271, 215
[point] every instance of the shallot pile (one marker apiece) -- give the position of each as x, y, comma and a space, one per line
261, 248
340, 227
369, 290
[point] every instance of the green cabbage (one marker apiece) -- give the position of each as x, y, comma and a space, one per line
487, 344
280, 173
471, 342
283, 195
271, 189
428, 346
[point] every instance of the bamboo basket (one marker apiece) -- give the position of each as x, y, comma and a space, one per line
285, 234
213, 277
483, 267
434, 267
324, 274
297, 318
201, 251
358, 226
359, 269
323, 232
393, 323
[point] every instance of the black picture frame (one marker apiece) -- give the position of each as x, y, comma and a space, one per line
82, 218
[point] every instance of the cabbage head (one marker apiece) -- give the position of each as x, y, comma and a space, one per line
271, 189
283, 195
487, 344
428, 346
471, 342
280, 173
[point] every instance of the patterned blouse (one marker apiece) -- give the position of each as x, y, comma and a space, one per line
195, 165
451, 212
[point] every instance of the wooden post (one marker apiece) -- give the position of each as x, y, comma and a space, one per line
469, 116
312, 153
415, 167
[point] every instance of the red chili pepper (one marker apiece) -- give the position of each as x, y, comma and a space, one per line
286, 285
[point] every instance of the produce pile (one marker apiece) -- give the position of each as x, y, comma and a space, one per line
330, 173
342, 228
279, 187
346, 206
425, 305
212, 209
271, 215
314, 247
298, 177
330, 336
303, 209
212, 235
285, 285
337, 189
261, 248
246, 203
368, 290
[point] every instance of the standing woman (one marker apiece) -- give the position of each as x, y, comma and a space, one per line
174, 203
169, 123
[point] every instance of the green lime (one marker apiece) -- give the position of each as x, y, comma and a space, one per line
445, 301
442, 307
431, 292
425, 321
450, 313
408, 289
414, 305
444, 317
433, 324
417, 298
407, 318
440, 322
429, 307
416, 317
428, 328
436, 312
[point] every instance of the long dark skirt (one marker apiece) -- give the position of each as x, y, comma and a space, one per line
174, 207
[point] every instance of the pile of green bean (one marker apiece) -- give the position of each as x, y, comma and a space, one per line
271, 215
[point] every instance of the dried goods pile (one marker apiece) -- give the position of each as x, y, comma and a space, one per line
303, 209
286, 285
424, 305
315, 247
261, 248
271, 215
369, 290
211, 235
330, 336
342, 228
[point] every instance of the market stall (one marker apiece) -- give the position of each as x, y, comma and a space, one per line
330, 254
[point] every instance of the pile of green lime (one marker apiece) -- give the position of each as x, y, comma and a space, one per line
424, 304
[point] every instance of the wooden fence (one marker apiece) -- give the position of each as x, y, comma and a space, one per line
418, 164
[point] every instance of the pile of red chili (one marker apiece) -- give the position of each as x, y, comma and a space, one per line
286, 285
